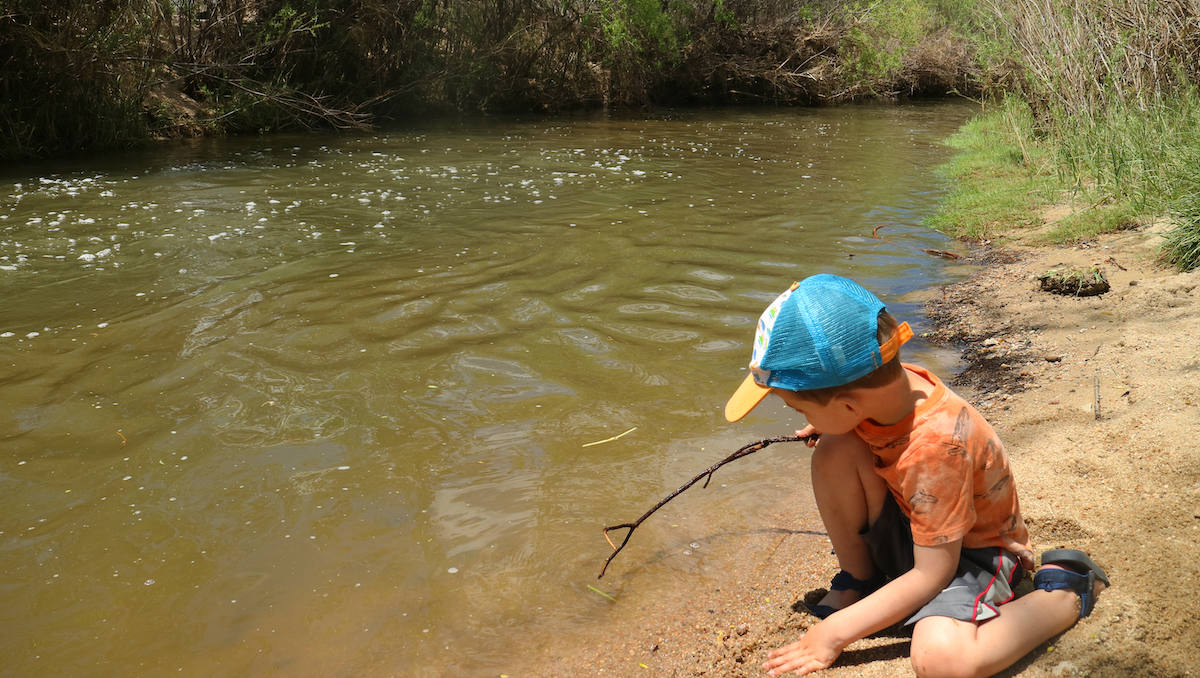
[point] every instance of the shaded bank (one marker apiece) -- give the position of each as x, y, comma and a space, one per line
79, 74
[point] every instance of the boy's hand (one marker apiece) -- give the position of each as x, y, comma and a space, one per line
933, 568
812, 652
808, 431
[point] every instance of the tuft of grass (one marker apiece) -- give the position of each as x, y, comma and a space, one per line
1181, 246
1088, 223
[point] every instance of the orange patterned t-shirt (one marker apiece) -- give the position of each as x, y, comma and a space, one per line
950, 474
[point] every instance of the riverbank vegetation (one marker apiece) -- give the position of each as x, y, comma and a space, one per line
1096, 118
94, 74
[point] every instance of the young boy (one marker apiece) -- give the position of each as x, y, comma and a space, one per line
915, 491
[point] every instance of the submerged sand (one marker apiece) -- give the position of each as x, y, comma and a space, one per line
1122, 483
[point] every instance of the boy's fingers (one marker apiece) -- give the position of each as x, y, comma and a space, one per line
780, 651
800, 666
784, 668
784, 663
807, 431
775, 661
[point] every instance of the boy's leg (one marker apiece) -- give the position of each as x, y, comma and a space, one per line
943, 647
849, 496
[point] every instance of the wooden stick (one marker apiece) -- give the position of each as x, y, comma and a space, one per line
748, 449
944, 254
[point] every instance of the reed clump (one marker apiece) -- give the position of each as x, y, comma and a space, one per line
1182, 244
63, 84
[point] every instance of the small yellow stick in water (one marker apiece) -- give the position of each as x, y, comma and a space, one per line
609, 440
602, 593
124, 440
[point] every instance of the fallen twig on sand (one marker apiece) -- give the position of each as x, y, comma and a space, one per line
748, 449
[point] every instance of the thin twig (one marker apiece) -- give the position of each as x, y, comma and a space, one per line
602, 593
748, 449
944, 254
609, 440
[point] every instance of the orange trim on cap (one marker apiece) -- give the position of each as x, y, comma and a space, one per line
891, 347
746, 398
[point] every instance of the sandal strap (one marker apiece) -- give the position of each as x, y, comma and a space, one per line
843, 581
1084, 585
1076, 560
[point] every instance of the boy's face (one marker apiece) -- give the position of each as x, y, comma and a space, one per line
835, 417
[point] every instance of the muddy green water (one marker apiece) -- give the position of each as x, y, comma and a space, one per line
317, 406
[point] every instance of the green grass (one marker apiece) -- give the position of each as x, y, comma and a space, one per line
1091, 221
1181, 246
1112, 91
1130, 163
999, 180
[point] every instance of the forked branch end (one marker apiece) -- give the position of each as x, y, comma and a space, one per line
748, 449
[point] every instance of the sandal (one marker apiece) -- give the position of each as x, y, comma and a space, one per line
844, 581
1081, 578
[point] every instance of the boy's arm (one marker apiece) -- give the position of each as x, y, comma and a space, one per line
934, 567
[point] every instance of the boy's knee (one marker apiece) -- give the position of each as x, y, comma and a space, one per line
941, 656
840, 451
941, 665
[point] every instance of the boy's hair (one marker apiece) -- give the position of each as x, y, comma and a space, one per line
882, 376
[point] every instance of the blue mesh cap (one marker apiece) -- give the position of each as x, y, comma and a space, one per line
821, 332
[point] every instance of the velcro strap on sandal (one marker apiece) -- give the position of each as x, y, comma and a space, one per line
1084, 585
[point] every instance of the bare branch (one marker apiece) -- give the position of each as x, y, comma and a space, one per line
748, 449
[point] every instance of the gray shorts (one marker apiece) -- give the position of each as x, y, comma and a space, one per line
985, 579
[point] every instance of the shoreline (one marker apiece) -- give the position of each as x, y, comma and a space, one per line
1124, 485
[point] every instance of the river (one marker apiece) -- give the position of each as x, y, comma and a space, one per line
315, 405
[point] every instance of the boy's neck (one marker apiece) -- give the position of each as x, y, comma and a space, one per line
892, 404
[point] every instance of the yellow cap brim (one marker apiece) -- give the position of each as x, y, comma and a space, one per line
746, 398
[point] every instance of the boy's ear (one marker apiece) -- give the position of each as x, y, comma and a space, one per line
850, 401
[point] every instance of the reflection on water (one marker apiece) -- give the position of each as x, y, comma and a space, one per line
316, 406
